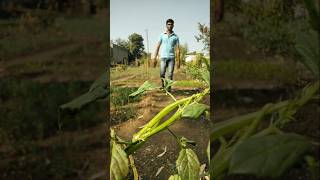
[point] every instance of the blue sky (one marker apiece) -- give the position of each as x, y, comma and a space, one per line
135, 16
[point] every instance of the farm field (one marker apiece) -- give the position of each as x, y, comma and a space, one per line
39, 71
128, 117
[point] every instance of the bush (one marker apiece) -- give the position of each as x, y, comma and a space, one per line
268, 25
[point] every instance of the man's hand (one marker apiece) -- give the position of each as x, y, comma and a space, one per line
178, 57
156, 54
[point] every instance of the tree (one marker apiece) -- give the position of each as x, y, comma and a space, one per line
204, 36
136, 46
122, 43
183, 52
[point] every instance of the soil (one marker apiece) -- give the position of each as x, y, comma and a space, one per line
146, 159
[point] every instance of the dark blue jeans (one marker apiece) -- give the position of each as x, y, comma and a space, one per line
164, 64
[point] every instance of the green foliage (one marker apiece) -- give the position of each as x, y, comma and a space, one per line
204, 36
136, 46
188, 165
98, 90
174, 177
194, 110
307, 44
314, 13
235, 69
122, 43
313, 167
183, 51
268, 25
29, 109
120, 96
246, 126
196, 70
146, 86
268, 156
119, 167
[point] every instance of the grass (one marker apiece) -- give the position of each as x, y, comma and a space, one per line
23, 43
120, 96
29, 110
249, 70
141, 72
190, 83
86, 26
18, 42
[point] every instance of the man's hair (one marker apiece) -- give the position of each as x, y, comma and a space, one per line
170, 20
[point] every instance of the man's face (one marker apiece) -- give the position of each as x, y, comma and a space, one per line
170, 26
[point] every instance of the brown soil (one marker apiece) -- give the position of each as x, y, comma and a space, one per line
146, 158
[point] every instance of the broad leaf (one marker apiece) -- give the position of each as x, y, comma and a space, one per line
98, 90
188, 165
174, 177
194, 110
84, 100
146, 86
268, 156
119, 167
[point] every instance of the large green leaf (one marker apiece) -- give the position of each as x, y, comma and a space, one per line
119, 167
194, 110
174, 177
98, 90
188, 165
268, 156
146, 86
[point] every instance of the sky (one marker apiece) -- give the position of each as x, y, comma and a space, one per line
135, 16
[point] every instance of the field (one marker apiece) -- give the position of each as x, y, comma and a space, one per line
40, 69
127, 118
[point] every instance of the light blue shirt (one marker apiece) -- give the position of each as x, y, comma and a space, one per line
168, 43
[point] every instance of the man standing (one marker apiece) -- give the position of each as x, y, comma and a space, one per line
168, 41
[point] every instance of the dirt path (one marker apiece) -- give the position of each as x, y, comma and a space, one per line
42, 56
146, 158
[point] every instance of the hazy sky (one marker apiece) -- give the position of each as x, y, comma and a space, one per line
135, 16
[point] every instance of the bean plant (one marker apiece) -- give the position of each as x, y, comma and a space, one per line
187, 164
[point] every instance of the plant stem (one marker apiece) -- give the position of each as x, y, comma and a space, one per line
134, 169
159, 116
171, 95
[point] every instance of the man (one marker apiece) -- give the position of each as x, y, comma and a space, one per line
168, 41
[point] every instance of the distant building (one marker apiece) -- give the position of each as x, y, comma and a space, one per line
119, 55
190, 57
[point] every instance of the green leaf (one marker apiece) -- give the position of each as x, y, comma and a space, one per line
119, 167
188, 165
184, 142
98, 90
194, 110
206, 76
219, 163
174, 177
167, 83
146, 86
268, 156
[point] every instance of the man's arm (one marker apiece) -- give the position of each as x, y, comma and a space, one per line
178, 56
156, 51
